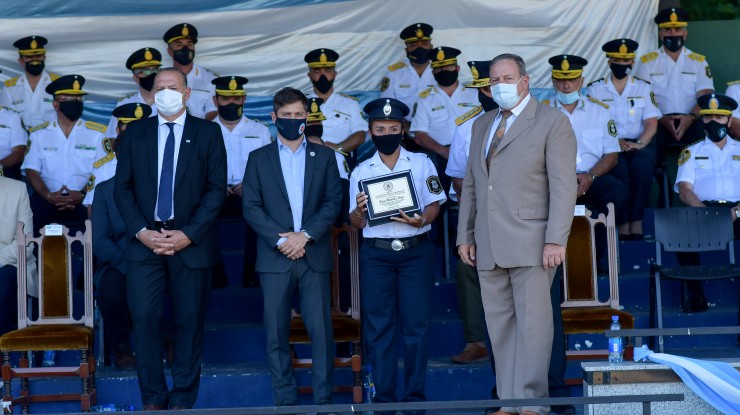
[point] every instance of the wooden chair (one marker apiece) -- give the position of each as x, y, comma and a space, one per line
583, 311
345, 315
56, 327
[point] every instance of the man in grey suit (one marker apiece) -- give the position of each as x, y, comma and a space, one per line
515, 215
292, 195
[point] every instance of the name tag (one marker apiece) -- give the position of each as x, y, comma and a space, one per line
735, 158
3, 126
689, 73
656, 73
466, 104
703, 158
47, 100
84, 147
438, 108
607, 100
404, 86
250, 136
50, 149
20, 101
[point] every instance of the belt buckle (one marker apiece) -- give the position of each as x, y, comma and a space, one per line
396, 245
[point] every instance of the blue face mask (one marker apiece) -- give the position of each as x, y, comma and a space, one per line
568, 98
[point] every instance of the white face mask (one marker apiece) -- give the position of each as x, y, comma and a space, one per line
168, 102
506, 95
568, 98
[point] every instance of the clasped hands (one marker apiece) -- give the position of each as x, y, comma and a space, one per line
164, 242
65, 201
294, 244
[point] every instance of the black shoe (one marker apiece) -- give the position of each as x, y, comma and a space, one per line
563, 409
696, 304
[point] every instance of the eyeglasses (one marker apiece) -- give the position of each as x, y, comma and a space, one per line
145, 72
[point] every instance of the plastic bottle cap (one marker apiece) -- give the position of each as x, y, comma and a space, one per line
615, 318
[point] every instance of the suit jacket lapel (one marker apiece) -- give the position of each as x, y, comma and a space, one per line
151, 143
484, 144
276, 168
310, 165
520, 125
187, 143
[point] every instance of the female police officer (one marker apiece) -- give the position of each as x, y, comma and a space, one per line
397, 257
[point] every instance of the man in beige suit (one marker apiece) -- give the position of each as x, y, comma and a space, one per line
521, 179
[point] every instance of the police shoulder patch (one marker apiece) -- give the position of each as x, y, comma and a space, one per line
38, 127
53, 76
96, 126
396, 66
102, 161
708, 72
594, 82
11, 81
653, 100
649, 57
107, 145
612, 126
640, 79
434, 185
597, 102
468, 115
425, 93
346, 166
697, 57
385, 83
90, 183
684, 156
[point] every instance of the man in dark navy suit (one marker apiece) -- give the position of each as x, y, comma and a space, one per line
170, 185
292, 195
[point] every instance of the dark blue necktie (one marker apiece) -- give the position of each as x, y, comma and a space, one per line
164, 200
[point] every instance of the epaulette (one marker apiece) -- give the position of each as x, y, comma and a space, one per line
341, 152
697, 57
597, 102
396, 66
733, 83
468, 115
9, 109
598, 80
425, 93
96, 126
640, 79
38, 127
695, 142
53, 76
350, 97
127, 96
649, 57
107, 158
12, 81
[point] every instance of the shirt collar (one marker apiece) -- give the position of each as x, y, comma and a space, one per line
519, 108
282, 146
179, 121
405, 156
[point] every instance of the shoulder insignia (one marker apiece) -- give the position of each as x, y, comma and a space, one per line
107, 145
649, 57
341, 152
396, 66
11, 81
708, 72
653, 100
434, 185
612, 126
733, 83
350, 97
384, 84
90, 183
346, 166
596, 81
640, 79
127, 96
695, 56
597, 102
38, 127
425, 93
684, 156
468, 115
53, 76
108, 157
96, 126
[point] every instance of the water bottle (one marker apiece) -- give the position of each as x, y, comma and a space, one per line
369, 384
49, 358
615, 343
109, 407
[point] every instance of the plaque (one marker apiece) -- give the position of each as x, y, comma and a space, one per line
388, 194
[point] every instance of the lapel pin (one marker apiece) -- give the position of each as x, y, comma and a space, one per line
187, 141
312, 154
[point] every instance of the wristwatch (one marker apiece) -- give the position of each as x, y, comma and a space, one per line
737, 212
307, 235
593, 176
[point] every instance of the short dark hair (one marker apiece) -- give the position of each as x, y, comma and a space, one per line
512, 57
171, 69
287, 96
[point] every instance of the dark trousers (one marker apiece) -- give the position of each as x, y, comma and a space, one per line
114, 309
12, 172
45, 213
635, 169
558, 361
664, 139
189, 289
278, 289
8, 299
607, 189
470, 303
396, 291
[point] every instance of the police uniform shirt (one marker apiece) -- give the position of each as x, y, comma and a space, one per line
343, 118
202, 91
460, 148
714, 173
134, 98
426, 182
630, 109
247, 135
675, 83
103, 170
403, 83
596, 132
733, 91
435, 111
342, 165
34, 106
12, 133
65, 161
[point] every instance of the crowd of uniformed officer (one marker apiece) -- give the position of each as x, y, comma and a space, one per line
623, 125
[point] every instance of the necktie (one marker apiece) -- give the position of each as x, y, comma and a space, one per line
164, 200
497, 136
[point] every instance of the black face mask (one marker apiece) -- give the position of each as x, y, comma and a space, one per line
147, 82
230, 112
35, 67
673, 43
715, 131
418, 55
71, 109
316, 130
486, 102
183, 56
323, 85
289, 128
619, 70
445, 78
388, 143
